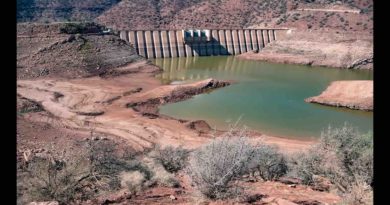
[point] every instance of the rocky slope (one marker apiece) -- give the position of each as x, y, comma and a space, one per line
137, 14
69, 50
59, 10
340, 50
168, 14
350, 94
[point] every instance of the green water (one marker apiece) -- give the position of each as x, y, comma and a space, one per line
266, 97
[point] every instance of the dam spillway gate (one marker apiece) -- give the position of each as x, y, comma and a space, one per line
206, 42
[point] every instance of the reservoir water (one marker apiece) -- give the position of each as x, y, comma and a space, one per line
266, 97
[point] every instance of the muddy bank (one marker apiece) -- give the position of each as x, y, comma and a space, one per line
318, 49
126, 106
350, 94
172, 93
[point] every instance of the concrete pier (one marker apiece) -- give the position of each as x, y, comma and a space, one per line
229, 42
248, 40
165, 44
215, 42
149, 44
180, 44
241, 41
170, 44
222, 41
141, 43
157, 44
236, 45
265, 37
255, 44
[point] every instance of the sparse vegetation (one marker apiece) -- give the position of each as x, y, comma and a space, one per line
173, 159
344, 156
74, 28
268, 163
215, 166
77, 176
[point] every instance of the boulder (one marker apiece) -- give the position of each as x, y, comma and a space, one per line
199, 125
44, 203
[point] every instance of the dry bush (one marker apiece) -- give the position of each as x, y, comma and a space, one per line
173, 159
57, 178
215, 166
359, 193
134, 181
268, 163
77, 176
160, 175
343, 155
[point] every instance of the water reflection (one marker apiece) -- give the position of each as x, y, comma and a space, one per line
270, 97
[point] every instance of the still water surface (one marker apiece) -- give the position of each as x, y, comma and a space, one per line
266, 97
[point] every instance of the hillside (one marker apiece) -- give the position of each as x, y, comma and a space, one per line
169, 14
60, 10
69, 50
152, 14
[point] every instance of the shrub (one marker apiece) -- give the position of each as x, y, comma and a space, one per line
343, 155
214, 166
268, 162
77, 176
74, 28
57, 179
173, 159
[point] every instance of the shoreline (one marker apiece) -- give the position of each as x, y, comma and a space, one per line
102, 104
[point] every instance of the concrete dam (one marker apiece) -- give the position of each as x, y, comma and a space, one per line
183, 43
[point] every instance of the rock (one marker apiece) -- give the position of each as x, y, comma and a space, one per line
44, 203
253, 198
290, 180
172, 197
95, 138
321, 183
114, 198
277, 201
150, 115
199, 125
308, 202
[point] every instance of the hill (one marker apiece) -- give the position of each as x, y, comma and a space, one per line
344, 15
152, 14
69, 50
60, 10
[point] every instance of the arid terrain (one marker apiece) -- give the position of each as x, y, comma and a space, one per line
59, 110
351, 94
347, 50
78, 84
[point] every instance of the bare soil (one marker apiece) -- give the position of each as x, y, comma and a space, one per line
343, 50
356, 94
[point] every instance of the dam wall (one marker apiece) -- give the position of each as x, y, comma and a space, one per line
175, 43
